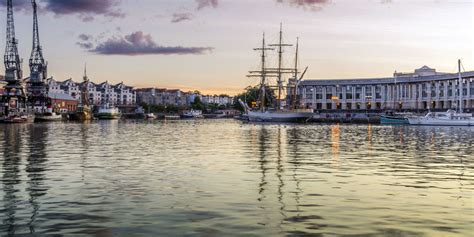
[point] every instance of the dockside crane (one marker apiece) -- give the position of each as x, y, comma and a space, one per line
14, 99
38, 92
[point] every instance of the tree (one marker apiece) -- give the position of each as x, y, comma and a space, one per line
252, 95
197, 104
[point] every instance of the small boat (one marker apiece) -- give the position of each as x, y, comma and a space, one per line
48, 117
192, 114
108, 112
19, 118
150, 116
82, 113
448, 118
395, 118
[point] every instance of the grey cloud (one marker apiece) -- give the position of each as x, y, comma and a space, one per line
138, 43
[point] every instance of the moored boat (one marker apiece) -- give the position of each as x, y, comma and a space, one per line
48, 117
83, 111
108, 112
448, 118
150, 116
291, 112
192, 114
18, 118
395, 118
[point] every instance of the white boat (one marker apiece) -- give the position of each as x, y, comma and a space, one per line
448, 118
48, 115
192, 114
108, 112
150, 116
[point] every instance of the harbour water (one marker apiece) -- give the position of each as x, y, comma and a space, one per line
222, 177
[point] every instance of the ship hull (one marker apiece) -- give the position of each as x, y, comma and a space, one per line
18, 119
279, 117
48, 118
107, 116
440, 122
81, 116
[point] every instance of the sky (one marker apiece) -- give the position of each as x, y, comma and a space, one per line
207, 45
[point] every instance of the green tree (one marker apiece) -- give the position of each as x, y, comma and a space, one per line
252, 94
197, 104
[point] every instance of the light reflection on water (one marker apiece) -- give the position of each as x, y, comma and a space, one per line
216, 177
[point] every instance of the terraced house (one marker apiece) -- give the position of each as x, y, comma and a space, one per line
118, 94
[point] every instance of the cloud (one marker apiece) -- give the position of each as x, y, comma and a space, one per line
85, 37
18, 4
207, 3
138, 43
179, 17
314, 5
85, 45
85, 9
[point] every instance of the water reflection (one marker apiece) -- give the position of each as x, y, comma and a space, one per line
215, 177
35, 170
11, 179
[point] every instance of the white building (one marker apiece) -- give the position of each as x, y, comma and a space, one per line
102, 93
425, 89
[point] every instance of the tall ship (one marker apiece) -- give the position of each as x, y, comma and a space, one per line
83, 111
450, 117
281, 112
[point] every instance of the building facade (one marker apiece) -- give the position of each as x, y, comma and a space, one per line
118, 94
424, 89
161, 96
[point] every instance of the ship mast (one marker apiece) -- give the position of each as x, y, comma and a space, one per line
295, 89
460, 86
263, 74
279, 72
84, 91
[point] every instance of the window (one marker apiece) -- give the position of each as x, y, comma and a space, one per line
358, 92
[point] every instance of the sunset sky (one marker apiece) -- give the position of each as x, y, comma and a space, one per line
207, 44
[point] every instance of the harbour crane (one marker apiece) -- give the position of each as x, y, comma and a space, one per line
15, 97
37, 92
